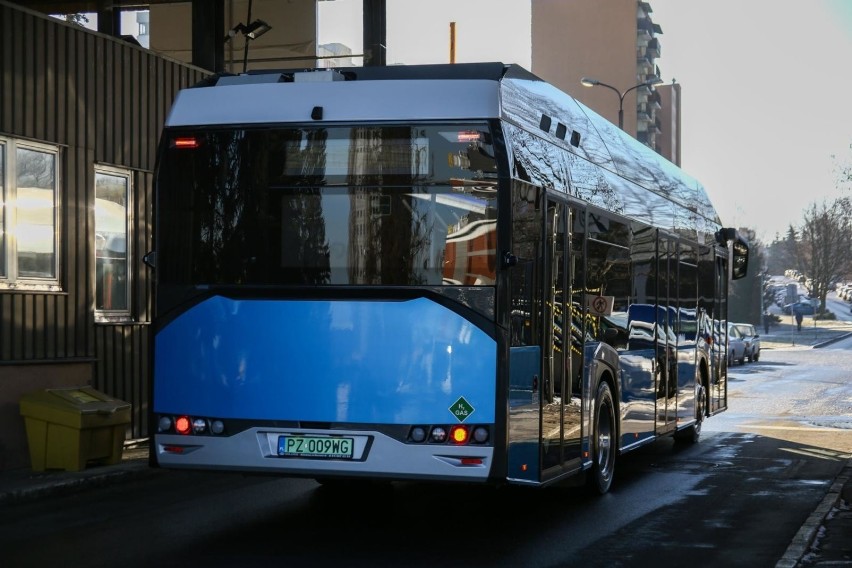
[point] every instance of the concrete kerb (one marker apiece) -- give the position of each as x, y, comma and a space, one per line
17, 486
802, 541
832, 340
820, 334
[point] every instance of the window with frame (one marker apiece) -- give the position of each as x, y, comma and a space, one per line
29, 231
112, 239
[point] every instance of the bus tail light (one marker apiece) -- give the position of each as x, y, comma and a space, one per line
456, 434
459, 435
164, 424
199, 426
186, 425
188, 142
418, 434
480, 434
438, 435
183, 425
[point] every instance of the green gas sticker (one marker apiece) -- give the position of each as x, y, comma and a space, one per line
461, 409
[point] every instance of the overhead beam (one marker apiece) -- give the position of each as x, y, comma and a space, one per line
208, 32
79, 6
375, 33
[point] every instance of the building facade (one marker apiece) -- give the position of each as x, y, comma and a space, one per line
80, 117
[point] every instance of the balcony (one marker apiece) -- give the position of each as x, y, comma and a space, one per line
653, 48
644, 66
644, 27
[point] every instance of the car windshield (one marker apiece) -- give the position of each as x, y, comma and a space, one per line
746, 330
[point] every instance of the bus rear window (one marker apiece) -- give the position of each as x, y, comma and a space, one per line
347, 206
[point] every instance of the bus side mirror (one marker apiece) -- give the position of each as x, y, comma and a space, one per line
739, 262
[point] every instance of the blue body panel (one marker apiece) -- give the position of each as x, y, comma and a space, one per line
380, 362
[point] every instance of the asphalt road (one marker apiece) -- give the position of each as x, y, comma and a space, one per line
735, 499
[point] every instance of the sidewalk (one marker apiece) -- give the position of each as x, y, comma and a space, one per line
20, 485
815, 333
825, 539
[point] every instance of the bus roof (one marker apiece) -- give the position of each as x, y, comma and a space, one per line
467, 91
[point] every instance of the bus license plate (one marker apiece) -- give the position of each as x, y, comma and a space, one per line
316, 447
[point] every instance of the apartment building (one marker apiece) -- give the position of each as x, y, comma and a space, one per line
616, 43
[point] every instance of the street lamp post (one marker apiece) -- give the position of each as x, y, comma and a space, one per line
589, 82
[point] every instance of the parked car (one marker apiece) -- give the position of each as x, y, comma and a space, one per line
804, 308
751, 340
736, 346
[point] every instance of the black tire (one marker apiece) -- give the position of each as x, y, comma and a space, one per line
756, 356
604, 442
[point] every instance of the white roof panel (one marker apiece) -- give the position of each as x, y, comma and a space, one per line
341, 101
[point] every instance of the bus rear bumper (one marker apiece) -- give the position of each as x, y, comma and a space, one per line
259, 450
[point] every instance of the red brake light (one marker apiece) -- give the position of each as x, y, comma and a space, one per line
183, 425
459, 434
185, 142
468, 136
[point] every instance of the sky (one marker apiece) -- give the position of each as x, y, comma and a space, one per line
766, 86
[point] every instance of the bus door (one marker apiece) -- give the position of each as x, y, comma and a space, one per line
560, 432
718, 395
687, 331
666, 374
526, 387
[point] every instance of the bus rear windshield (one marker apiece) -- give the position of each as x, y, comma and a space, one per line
375, 205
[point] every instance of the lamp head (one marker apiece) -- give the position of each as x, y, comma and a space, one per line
252, 31
256, 29
589, 82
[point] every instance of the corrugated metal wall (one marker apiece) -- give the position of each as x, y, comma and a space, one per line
102, 101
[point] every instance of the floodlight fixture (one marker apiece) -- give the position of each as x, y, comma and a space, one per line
589, 82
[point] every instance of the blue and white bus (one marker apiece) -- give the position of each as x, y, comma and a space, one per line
444, 272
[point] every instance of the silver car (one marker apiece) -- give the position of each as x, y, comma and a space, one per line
736, 346
751, 339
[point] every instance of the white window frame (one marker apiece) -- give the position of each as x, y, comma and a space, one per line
122, 314
10, 279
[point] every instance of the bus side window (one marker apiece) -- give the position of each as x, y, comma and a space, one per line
525, 283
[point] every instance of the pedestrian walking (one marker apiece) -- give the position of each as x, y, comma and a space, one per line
799, 320
767, 320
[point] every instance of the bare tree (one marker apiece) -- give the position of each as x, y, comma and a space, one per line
843, 170
826, 238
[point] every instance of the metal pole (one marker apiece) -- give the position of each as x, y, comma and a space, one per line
246, 37
452, 42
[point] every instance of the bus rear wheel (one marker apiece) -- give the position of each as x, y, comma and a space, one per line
603, 441
692, 433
